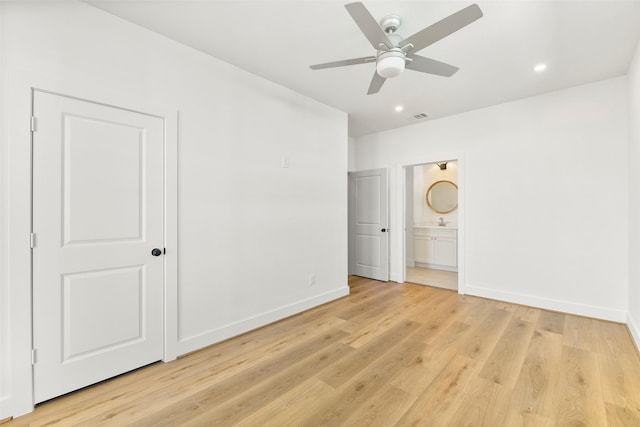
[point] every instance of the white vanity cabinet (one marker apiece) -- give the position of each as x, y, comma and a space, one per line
435, 248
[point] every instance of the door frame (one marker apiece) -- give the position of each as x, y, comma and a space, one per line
401, 203
18, 255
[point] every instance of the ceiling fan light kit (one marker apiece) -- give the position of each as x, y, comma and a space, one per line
393, 53
390, 64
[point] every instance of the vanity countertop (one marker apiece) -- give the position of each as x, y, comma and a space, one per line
439, 227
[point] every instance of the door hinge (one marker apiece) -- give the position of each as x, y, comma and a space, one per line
33, 124
32, 240
34, 360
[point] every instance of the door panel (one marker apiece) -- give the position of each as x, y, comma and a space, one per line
109, 291
102, 169
97, 214
368, 251
368, 200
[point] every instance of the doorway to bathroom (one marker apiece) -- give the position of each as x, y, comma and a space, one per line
431, 224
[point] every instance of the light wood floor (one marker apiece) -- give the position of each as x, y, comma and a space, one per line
386, 355
431, 277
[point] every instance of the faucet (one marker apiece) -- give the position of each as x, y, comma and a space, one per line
441, 222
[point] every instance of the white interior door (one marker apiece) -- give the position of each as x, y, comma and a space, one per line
97, 215
369, 208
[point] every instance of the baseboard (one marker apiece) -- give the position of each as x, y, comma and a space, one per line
436, 267
213, 336
549, 304
634, 328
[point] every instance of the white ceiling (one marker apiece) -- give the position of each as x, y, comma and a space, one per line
580, 41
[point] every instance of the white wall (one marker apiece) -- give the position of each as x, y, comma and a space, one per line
634, 197
250, 232
424, 176
351, 155
546, 205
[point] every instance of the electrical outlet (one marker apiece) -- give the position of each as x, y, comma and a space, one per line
312, 279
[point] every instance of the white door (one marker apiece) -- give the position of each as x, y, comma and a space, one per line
97, 215
369, 224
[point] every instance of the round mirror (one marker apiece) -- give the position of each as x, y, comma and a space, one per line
442, 196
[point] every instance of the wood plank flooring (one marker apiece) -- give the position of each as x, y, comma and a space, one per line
386, 355
432, 277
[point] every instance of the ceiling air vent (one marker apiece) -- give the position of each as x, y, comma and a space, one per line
419, 116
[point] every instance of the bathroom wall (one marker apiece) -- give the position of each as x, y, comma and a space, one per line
423, 177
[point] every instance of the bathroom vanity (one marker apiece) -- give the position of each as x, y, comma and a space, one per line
435, 247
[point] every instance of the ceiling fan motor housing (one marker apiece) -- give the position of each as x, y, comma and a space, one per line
391, 23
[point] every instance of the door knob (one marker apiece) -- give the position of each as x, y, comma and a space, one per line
384, 230
156, 252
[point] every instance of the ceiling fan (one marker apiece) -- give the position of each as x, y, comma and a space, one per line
394, 53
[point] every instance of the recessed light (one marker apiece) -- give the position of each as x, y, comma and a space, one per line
399, 108
540, 68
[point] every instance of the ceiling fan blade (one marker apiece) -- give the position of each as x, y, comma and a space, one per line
368, 25
344, 62
443, 28
431, 66
376, 83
